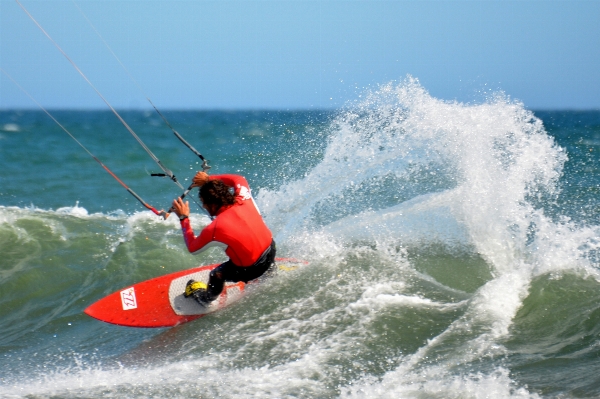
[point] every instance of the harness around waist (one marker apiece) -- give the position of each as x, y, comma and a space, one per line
263, 257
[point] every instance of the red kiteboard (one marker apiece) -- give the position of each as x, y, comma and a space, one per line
159, 302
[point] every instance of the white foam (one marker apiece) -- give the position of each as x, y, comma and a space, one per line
436, 382
492, 159
73, 211
10, 127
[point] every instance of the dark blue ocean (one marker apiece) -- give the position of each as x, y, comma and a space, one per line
453, 252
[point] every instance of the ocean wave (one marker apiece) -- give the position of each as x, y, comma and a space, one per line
438, 259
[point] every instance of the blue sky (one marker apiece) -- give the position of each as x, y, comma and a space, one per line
299, 54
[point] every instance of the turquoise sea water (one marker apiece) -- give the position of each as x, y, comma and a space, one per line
454, 252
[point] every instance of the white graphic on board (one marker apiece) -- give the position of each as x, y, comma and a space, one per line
128, 299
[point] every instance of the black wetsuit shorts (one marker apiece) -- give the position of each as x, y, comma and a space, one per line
228, 271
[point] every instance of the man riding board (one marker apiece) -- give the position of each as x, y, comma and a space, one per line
237, 227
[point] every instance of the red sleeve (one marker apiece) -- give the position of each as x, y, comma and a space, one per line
204, 241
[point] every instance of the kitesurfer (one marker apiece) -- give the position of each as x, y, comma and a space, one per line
237, 227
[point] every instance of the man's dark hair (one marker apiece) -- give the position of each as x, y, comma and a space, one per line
215, 192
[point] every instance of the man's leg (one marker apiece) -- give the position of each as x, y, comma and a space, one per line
228, 271
217, 278
206, 293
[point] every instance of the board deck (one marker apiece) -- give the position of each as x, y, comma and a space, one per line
159, 302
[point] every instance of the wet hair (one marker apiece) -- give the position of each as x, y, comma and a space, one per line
215, 192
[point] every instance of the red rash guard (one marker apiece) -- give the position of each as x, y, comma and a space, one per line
238, 229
